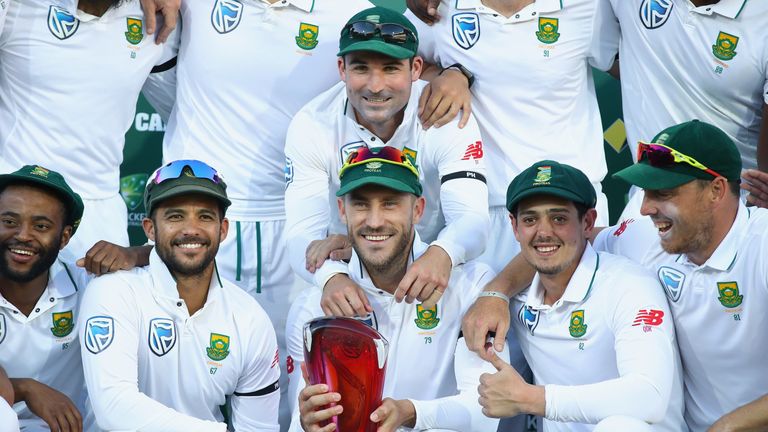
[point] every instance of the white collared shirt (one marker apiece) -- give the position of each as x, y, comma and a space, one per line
44, 346
718, 309
69, 83
150, 366
533, 93
671, 71
427, 363
3, 12
605, 348
246, 67
451, 166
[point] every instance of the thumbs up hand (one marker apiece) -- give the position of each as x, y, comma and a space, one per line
506, 394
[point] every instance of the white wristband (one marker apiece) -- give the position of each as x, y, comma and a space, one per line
494, 294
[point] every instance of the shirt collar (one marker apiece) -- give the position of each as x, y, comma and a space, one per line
61, 283
305, 5
538, 5
725, 254
359, 274
164, 285
578, 287
727, 8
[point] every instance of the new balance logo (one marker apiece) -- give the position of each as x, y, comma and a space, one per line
622, 227
649, 317
474, 151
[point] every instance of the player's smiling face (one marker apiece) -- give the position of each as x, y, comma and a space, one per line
32, 232
552, 236
187, 230
380, 224
378, 88
681, 216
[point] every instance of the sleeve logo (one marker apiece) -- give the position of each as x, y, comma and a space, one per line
648, 318
99, 333
474, 151
622, 227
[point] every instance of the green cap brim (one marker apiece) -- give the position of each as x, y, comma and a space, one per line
546, 190
184, 189
646, 176
382, 181
379, 46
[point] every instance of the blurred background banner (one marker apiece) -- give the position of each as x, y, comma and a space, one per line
143, 148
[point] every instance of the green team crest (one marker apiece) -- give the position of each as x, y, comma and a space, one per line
39, 171
577, 328
543, 176
307, 38
219, 348
63, 323
729, 294
548, 30
725, 46
426, 318
132, 189
135, 32
411, 155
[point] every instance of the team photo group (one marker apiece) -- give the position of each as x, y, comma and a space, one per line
385, 215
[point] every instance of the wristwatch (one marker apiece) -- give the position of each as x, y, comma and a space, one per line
464, 71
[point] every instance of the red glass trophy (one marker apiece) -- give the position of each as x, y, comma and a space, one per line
351, 358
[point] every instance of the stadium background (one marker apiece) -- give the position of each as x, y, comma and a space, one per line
143, 149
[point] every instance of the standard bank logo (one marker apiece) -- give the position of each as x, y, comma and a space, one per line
529, 318
61, 23
99, 332
226, 15
162, 336
466, 29
654, 13
672, 280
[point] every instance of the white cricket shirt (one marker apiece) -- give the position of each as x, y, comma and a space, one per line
605, 348
451, 165
680, 62
245, 68
44, 345
8, 420
150, 366
718, 309
3, 11
427, 362
537, 101
69, 83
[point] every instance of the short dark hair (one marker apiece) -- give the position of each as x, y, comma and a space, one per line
734, 186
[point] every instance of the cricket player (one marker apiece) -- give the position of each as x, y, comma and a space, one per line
166, 345
374, 110
70, 76
431, 379
40, 298
604, 313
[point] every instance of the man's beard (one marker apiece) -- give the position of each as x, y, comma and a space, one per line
389, 263
46, 258
177, 266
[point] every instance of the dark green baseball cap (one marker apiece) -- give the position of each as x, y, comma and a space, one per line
548, 177
53, 181
706, 144
184, 177
392, 175
400, 47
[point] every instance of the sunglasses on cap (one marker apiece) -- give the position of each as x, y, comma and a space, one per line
390, 33
175, 169
386, 154
661, 156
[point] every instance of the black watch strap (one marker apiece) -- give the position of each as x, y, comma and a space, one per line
464, 71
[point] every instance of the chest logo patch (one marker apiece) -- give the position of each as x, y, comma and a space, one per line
219, 347
577, 328
2, 328
466, 29
307, 38
729, 294
529, 318
99, 333
426, 319
61, 23
162, 336
63, 323
226, 15
543, 175
548, 30
725, 46
672, 280
654, 13
135, 32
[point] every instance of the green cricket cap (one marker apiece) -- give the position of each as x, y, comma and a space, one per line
185, 184
52, 181
380, 172
705, 143
376, 43
548, 177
